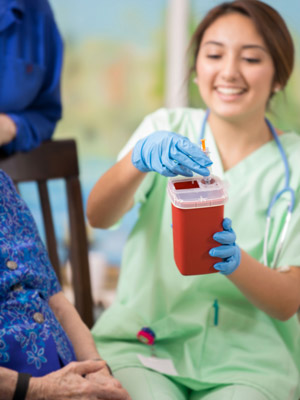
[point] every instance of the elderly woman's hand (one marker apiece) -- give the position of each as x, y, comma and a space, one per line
104, 378
77, 380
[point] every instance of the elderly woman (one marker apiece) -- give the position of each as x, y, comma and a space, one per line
41, 334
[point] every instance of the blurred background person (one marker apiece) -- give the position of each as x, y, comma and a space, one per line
31, 51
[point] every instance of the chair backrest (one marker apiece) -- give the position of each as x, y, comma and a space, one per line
57, 159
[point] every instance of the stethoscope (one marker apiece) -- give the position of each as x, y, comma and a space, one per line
286, 188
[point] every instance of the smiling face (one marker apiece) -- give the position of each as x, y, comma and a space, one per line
235, 71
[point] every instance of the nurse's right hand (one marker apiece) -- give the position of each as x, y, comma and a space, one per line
169, 154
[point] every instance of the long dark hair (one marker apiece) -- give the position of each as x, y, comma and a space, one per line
268, 23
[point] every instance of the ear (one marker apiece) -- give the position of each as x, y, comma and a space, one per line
276, 88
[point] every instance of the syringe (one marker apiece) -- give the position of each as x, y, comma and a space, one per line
206, 179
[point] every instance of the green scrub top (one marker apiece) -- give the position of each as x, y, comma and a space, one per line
240, 345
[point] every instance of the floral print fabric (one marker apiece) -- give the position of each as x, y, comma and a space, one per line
31, 338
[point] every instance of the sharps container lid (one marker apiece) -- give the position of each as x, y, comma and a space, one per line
197, 192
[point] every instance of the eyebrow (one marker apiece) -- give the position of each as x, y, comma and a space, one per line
246, 46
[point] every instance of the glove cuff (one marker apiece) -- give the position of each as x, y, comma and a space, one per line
237, 259
137, 158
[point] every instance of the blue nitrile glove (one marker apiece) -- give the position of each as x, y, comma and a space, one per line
229, 251
169, 154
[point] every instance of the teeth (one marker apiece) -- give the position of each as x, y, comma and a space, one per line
229, 90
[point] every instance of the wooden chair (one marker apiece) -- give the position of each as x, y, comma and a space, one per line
57, 159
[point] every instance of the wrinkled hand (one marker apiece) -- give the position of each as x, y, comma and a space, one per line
8, 129
229, 251
70, 382
169, 154
104, 378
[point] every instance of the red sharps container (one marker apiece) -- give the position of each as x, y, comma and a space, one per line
197, 213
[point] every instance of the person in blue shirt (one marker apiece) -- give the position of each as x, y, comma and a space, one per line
31, 54
41, 333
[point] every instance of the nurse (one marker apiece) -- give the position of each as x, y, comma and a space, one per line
234, 334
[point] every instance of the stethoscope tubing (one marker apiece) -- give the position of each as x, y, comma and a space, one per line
286, 188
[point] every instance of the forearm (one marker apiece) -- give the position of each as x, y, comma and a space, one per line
77, 331
32, 128
8, 382
276, 293
113, 194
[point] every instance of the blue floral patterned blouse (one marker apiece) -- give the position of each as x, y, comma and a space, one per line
31, 338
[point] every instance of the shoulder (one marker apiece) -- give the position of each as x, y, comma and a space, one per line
40, 12
39, 6
9, 199
6, 183
176, 115
291, 145
290, 139
185, 121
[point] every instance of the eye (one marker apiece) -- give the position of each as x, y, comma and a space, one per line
252, 60
214, 56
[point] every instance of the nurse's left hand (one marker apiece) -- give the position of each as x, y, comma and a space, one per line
229, 251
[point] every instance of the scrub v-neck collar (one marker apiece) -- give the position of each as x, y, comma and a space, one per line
243, 167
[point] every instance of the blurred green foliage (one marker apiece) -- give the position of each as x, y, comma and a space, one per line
108, 87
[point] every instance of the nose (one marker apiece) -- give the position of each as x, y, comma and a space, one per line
230, 68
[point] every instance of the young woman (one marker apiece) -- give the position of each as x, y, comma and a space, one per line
233, 334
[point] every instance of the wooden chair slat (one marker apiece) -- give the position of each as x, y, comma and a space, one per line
49, 227
57, 159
